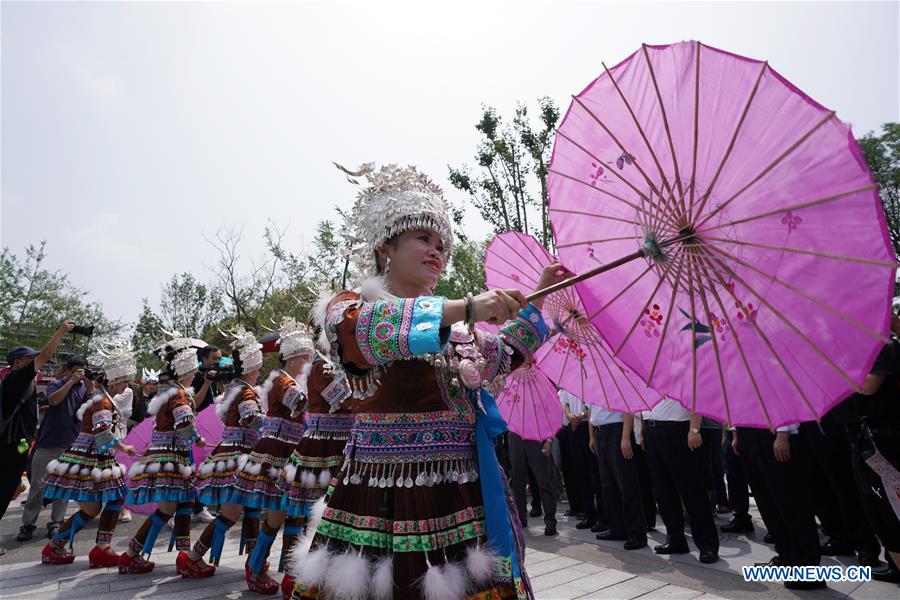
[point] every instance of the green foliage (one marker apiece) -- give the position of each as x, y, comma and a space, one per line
882, 153
510, 159
35, 300
466, 272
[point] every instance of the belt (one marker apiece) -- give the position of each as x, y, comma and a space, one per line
653, 423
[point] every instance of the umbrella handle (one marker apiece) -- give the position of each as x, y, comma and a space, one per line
586, 275
652, 249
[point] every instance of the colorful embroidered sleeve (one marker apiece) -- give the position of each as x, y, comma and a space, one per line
294, 399
249, 413
380, 332
524, 334
183, 416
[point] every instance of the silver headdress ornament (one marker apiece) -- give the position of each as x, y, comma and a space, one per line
395, 200
294, 339
117, 362
185, 359
248, 349
149, 376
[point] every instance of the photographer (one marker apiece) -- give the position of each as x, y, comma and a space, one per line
18, 414
206, 385
58, 430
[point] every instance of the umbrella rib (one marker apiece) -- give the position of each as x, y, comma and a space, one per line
690, 288
662, 175
506, 275
539, 260
622, 291
715, 344
792, 207
508, 245
768, 169
641, 209
840, 372
659, 283
594, 359
715, 294
601, 241
534, 394
762, 334
856, 259
662, 109
590, 214
616, 383
800, 292
665, 330
728, 150
696, 128
516, 267
650, 184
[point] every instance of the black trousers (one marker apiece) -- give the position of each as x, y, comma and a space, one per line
872, 494
677, 472
714, 481
525, 455
582, 485
567, 465
622, 500
535, 490
836, 500
783, 495
11, 466
738, 492
648, 500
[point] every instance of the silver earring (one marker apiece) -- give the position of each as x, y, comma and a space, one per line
387, 266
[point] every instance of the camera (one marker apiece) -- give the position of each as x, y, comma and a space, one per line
224, 373
86, 330
93, 374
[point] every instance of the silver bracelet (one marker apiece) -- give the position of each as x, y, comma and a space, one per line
470, 311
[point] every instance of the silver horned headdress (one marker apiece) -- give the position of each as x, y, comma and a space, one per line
117, 362
248, 349
294, 339
395, 200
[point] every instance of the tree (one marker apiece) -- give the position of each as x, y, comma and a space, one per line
466, 272
510, 156
148, 332
35, 300
188, 306
882, 153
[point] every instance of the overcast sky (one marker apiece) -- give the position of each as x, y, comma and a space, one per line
128, 129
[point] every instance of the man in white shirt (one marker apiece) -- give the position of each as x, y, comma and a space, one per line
612, 443
776, 465
671, 434
583, 487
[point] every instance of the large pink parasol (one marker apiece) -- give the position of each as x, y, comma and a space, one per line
530, 405
575, 357
209, 427
753, 266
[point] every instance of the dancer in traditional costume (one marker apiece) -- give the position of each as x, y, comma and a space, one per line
164, 473
240, 410
419, 508
319, 454
256, 485
88, 471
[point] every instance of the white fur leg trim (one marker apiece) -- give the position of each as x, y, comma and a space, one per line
136, 469
107, 474
434, 584
348, 576
312, 568
153, 467
325, 478
52, 466
481, 564
207, 468
315, 514
383, 578
255, 469
274, 472
117, 471
231, 465
169, 467
290, 471
96, 473
62, 468
307, 479
455, 576
84, 472
220, 466
185, 470
242, 460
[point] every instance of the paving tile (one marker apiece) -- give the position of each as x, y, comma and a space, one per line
555, 578
600, 580
625, 590
553, 564
671, 592
536, 556
560, 592
588, 568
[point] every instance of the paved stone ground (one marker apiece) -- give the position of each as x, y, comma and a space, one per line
571, 565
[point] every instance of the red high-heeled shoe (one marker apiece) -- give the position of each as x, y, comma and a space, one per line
101, 558
192, 569
268, 587
134, 565
49, 556
287, 587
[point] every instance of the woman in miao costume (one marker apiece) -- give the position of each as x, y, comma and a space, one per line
240, 410
88, 471
164, 473
256, 485
319, 454
419, 507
